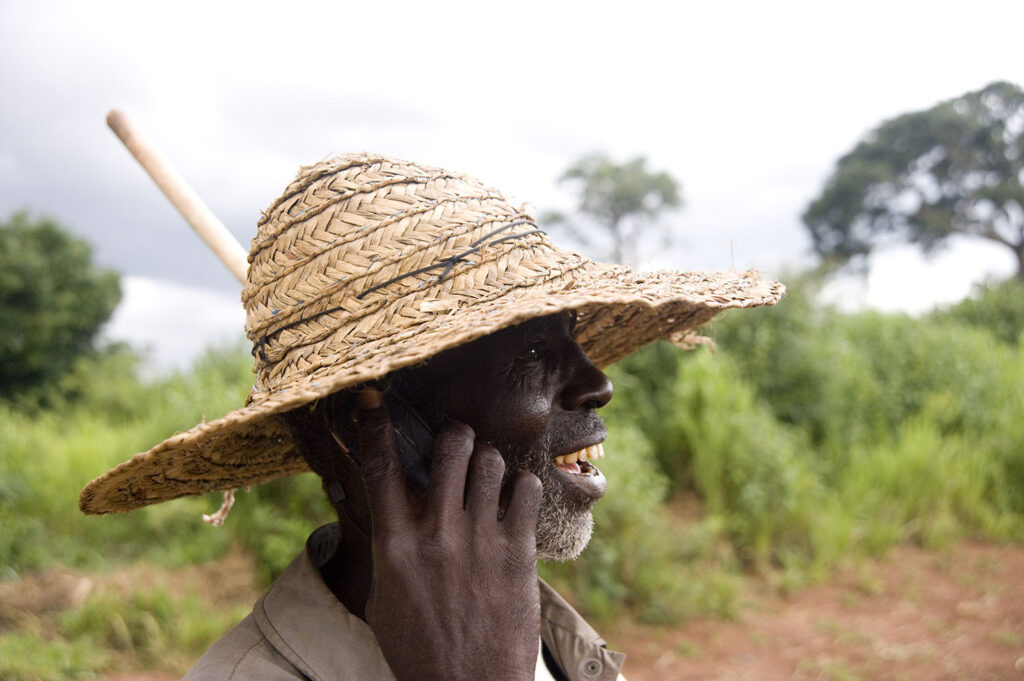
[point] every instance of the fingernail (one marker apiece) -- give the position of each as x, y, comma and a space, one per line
369, 399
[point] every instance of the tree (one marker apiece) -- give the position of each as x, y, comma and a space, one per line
620, 200
956, 168
53, 300
996, 306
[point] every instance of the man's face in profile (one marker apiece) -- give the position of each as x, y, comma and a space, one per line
531, 392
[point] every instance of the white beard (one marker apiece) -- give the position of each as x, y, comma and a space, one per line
562, 533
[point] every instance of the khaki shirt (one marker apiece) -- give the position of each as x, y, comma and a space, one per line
300, 630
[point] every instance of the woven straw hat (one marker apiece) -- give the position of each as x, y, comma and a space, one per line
368, 264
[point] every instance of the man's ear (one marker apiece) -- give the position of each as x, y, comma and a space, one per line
315, 430
337, 414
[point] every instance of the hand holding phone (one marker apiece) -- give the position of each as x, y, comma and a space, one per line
414, 438
454, 593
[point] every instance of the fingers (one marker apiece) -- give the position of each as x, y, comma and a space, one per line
483, 486
524, 503
466, 480
380, 465
453, 448
465, 477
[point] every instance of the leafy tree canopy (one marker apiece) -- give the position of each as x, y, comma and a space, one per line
956, 168
997, 306
53, 300
617, 202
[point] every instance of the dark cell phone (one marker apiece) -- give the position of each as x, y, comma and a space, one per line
414, 439
413, 436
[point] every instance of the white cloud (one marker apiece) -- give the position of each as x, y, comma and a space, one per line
173, 323
749, 104
901, 279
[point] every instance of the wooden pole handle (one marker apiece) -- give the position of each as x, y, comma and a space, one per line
180, 194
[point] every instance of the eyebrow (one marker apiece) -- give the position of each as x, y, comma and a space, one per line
547, 324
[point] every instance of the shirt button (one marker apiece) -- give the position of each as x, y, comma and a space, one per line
591, 668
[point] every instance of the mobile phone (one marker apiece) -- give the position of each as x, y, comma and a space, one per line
414, 437
414, 440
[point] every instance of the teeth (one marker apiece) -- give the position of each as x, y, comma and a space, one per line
586, 454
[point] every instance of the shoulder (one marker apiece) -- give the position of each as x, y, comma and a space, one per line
243, 653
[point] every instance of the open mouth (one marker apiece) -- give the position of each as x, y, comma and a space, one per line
579, 462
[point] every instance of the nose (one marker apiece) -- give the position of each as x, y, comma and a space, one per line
587, 387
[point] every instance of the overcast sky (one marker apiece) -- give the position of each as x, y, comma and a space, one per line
748, 104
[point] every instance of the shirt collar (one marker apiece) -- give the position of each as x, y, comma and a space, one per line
308, 625
577, 649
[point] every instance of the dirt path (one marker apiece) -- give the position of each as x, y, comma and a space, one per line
956, 615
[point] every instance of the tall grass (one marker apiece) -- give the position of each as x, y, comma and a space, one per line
810, 437
155, 628
50, 454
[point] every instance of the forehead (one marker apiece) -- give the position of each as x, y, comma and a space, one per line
529, 331
498, 347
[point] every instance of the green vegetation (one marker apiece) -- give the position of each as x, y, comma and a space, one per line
50, 455
998, 307
807, 439
53, 300
152, 628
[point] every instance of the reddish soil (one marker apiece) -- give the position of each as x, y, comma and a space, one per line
954, 615
224, 582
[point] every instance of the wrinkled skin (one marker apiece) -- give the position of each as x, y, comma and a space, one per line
449, 582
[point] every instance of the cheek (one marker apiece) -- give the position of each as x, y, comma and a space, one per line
505, 412
521, 421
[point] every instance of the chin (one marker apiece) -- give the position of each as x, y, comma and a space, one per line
562, 533
565, 523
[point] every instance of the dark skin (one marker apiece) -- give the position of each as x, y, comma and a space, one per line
447, 582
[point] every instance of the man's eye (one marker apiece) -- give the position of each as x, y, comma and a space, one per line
529, 355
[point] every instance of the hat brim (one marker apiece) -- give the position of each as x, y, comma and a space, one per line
618, 311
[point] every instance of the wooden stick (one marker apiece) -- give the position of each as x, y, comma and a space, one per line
178, 192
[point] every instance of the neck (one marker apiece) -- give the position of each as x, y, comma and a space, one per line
349, 572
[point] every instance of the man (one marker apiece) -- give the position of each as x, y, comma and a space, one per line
383, 290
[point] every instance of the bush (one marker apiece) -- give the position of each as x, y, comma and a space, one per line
875, 393
806, 433
53, 300
50, 455
159, 629
928, 488
31, 656
850, 380
714, 438
151, 627
811, 436
998, 307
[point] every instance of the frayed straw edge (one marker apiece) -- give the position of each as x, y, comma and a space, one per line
217, 519
688, 340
